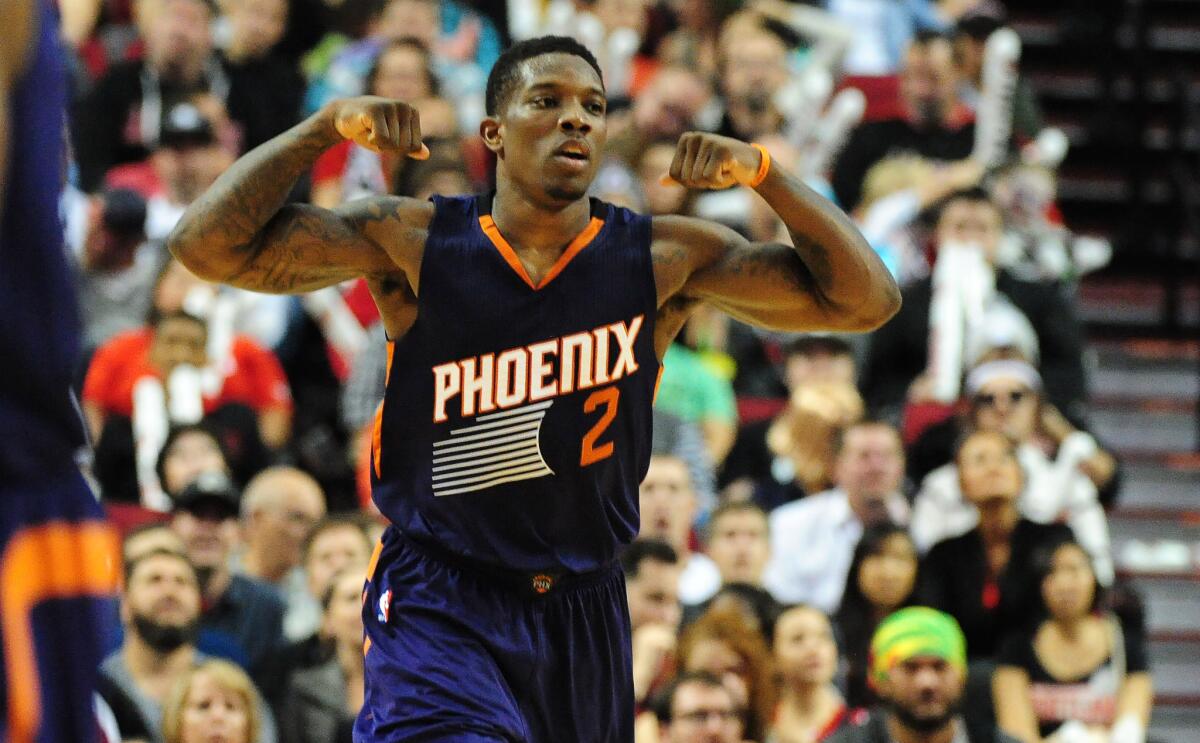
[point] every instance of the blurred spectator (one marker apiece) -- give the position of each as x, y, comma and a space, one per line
723, 644
1005, 397
214, 701
808, 358
811, 708
753, 69
667, 504
919, 669
1079, 668
971, 32
900, 350
117, 266
464, 44
757, 608
739, 542
265, 90
882, 31
985, 578
403, 70
698, 708
249, 377
248, 610
684, 439
121, 119
188, 159
895, 192
279, 508
189, 452
802, 443
661, 199
323, 700
933, 122
882, 579
677, 99
651, 570
333, 544
160, 613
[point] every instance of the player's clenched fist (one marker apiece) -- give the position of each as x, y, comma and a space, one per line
704, 160
380, 124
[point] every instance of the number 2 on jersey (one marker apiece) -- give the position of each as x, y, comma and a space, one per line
591, 453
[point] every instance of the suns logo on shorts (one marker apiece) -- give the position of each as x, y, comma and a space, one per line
542, 582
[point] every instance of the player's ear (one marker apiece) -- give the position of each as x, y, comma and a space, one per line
493, 137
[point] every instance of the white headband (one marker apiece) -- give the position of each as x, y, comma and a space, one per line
1003, 369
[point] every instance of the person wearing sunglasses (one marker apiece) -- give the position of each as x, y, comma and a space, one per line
1005, 396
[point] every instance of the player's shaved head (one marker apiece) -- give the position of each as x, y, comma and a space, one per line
506, 73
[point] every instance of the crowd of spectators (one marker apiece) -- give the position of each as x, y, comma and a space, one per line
898, 536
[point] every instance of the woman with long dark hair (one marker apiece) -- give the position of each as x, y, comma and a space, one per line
882, 578
1080, 667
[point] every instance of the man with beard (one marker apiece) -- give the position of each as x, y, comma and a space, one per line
160, 612
919, 670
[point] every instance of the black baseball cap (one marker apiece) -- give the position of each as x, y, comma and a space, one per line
210, 492
184, 126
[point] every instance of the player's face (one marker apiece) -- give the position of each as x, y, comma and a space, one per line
552, 130
654, 595
804, 648
213, 713
740, 546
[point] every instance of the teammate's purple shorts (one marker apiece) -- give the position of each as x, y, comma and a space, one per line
455, 654
58, 570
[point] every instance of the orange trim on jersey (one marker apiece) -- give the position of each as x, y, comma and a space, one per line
387, 373
50, 561
377, 439
657, 382
581, 241
366, 646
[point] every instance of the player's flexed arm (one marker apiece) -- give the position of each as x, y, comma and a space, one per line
830, 280
239, 231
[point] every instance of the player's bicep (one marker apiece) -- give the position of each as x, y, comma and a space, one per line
765, 284
304, 248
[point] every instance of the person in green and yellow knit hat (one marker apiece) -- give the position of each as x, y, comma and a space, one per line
918, 667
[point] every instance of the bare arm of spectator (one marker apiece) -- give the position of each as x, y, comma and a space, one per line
1100, 467
19, 23
1014, 704
1134, 700
275, 426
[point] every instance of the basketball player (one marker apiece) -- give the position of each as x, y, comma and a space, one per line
526, 330
56, 556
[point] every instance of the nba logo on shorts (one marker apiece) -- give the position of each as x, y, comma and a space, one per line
385, 607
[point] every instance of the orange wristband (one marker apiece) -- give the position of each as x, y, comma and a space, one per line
763, 166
